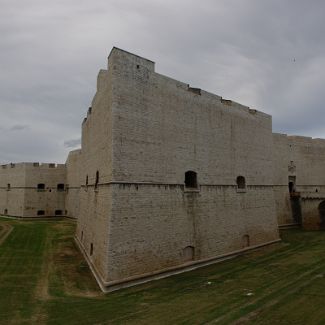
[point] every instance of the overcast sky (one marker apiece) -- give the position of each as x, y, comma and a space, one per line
266, 54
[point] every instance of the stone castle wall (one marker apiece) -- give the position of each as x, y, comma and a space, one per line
21, 194
12, 184
170, 177
150, 130
300, 160
73, 183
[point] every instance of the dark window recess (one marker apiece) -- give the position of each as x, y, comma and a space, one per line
87, 180
5, 211
91, 249
190, 179
82, 235
51, 165
321, 209
246, 241
188, 253
8, 187
40, 212
291, 187
41, 186
58, 212
138, 66
292, 184
60, 187
97, 179
241, 182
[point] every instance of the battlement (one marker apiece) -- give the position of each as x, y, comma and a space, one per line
300, 140
33, 164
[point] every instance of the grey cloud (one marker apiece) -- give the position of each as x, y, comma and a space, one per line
18, 127
73, 143
50, 53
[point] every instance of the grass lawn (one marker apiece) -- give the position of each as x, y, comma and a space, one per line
44, 280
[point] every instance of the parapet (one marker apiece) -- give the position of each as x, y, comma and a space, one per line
117, 54
33, 164
300, 140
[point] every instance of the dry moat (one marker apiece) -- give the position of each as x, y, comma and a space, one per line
44, 280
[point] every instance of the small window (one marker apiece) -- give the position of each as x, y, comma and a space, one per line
291, 187
87, 180
8, 187
41, 186
58, 212
241, 182
138, 66
91, 249
5, 212
292, 184
188, 253
82, 235
246, 241
40, 212
51, 165
60, 187
97, 180
190, 179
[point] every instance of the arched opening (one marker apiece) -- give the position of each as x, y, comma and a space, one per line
246, 241
291, 187
188, 253
321, 210
97, 179
190, 179
40, 187
241, 182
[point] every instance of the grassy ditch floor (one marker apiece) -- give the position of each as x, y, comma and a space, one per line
44, 280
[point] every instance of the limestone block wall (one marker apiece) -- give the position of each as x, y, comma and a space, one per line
51, 199
73, 183
144, 132
300, 160
12, 185
281, 171
21, 194
96, 175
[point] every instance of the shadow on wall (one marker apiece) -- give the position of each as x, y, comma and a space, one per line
321, 210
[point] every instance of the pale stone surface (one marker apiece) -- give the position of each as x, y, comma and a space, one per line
73, 183
126, 185
144, 132
19, 193
302, 159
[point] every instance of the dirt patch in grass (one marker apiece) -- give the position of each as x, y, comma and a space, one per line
5, 230
70, 272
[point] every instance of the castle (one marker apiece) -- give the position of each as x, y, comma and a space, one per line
170, 177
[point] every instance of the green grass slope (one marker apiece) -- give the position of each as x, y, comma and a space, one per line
44, 280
